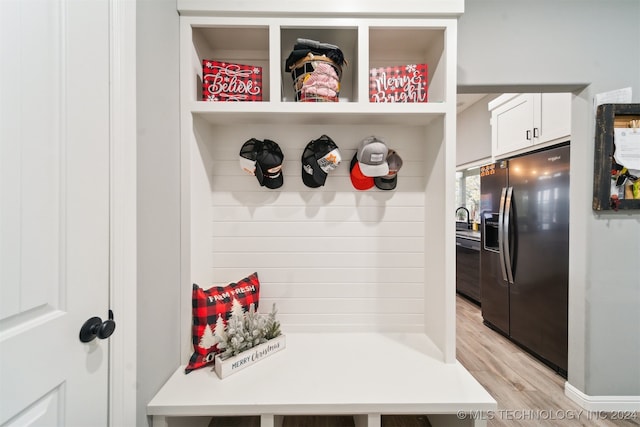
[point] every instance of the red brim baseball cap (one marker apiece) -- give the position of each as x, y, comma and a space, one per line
359, 181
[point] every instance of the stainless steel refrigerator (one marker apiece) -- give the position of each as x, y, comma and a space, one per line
524, 258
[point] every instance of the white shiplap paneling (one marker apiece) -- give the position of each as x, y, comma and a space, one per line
331, 258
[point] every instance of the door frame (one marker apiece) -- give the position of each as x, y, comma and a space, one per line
122, 404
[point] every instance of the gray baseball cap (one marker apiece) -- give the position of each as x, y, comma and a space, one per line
372, 157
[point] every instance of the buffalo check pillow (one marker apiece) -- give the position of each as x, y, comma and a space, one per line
210, 304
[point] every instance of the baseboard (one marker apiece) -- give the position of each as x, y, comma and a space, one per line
602, 403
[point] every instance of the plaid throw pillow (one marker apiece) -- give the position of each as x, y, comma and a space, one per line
207, 306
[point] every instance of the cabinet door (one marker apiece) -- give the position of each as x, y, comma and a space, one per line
468, 272
554, 118
512, 125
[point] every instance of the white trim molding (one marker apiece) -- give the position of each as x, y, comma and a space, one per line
602, 403
123, 246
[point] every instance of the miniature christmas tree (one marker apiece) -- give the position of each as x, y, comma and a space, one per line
236, 341
254, 325
272, 326
246, 330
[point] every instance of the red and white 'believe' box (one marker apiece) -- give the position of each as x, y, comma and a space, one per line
224, 81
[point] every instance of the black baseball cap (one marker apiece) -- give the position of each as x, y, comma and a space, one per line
319, 157
248, 153
390, 181
264, 160
269, 160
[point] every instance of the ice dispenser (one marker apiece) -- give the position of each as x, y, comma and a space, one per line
490, 231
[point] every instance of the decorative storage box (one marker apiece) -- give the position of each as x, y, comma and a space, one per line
224, 368
224, 81
404, 83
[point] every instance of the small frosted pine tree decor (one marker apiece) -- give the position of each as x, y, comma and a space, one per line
245, 330
272, 326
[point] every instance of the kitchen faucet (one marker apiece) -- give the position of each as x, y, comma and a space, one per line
468, 216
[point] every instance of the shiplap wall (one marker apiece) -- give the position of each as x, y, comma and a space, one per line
332, 258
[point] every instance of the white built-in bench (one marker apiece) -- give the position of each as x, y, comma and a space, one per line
366, 375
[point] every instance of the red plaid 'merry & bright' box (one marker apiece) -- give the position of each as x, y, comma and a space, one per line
404, 83
224, 81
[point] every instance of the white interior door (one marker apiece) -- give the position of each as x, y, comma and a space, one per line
54, 210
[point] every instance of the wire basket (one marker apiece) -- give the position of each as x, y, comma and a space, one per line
316, 79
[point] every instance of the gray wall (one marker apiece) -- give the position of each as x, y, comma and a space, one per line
503, 45
159, 322
473, 132
585, 46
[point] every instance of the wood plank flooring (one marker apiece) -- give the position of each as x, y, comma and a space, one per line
523, 387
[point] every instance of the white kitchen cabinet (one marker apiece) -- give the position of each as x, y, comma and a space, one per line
512, 124
363, 267
555, 118
521, 122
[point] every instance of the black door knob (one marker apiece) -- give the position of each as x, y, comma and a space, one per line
95, 327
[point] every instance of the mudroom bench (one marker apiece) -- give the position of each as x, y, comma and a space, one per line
366, 375
344, 265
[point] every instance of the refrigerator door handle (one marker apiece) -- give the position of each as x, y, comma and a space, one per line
501, 240
507, 252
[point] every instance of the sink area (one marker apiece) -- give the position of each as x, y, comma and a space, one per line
468, 234
465, 228
463, 225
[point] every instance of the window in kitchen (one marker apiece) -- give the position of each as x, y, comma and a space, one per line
468, 194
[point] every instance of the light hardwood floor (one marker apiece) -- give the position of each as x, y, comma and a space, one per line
522, 386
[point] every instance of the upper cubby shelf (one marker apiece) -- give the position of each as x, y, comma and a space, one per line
264, 43
391, 46
246, 44
317, 113
346, 38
